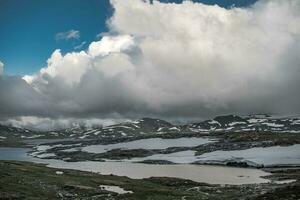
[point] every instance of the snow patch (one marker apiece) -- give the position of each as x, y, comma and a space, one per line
273, 124
59, 173
115, 189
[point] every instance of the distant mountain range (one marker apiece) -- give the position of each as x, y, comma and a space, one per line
147, 126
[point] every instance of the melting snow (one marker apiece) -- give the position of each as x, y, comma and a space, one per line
273, 124
236, 123
256, 120
214, 122
59, 173
115, 189
174, 128
295, 122
34, 136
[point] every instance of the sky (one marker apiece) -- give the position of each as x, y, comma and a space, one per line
66, 61
28, 28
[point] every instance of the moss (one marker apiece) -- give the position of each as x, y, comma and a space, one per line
23, 180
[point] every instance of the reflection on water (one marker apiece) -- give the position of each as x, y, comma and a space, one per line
41, 141
198, 173
208, 174
7, 153
181, 157
152, 143
268, 156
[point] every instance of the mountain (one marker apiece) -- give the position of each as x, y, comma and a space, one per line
234, 123
128, 129
8, 132
149, 126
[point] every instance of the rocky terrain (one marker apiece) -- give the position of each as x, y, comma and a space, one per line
149, 127
22, 180
229, 132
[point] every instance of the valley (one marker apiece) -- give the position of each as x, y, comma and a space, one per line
213, 156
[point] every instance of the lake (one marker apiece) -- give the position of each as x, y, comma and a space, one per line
267, 156
198, 173
151, 143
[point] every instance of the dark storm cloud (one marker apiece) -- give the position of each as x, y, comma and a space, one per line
18, 98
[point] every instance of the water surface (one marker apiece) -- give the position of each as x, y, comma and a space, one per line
152, 143
268, 156
198, 173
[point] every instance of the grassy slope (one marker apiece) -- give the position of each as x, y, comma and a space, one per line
23, 180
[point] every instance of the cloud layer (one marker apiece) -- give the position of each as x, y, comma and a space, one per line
171, 60
68, 35
1, 68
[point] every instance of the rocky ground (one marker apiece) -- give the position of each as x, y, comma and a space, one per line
223, 141
148, 127
23, 180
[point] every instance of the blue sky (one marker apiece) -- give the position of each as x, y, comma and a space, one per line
28, 28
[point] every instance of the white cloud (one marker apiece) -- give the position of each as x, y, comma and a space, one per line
68, 35
28, 78
180, 60
72, 66
80, 46
99, 36
37, 123
69, 67
1, 68
110, 44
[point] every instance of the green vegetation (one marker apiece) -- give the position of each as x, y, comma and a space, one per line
23, 180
